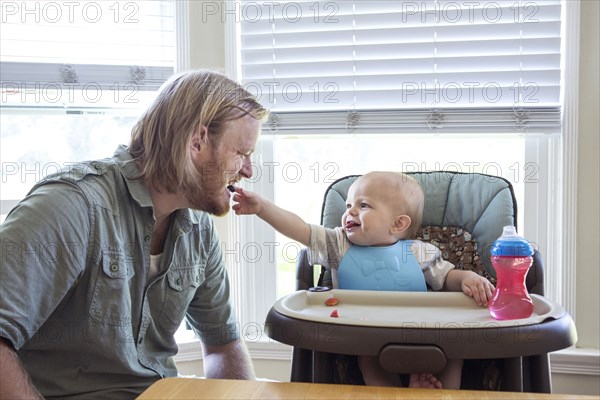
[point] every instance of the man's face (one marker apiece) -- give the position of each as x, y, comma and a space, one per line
223, 162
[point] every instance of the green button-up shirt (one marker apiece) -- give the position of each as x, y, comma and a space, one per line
76, 298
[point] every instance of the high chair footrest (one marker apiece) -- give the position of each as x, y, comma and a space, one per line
405, 359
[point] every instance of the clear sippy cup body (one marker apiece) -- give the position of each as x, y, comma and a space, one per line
511, 258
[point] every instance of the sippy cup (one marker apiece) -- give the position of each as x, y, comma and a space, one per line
511, 258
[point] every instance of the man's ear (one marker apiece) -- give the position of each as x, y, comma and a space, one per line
199, 138
401, 223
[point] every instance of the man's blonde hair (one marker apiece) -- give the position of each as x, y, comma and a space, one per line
160, 140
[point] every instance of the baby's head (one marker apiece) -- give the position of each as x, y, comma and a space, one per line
382, 208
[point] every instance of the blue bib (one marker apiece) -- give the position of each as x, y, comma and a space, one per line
392, 268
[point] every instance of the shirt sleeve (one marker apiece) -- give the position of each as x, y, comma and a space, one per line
327, 247
43, 252
434, 267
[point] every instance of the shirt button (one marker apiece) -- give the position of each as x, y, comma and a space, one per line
147, 238
179, 281
98, 166
140, 340
114, 267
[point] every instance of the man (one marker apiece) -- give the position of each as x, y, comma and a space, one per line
100, 263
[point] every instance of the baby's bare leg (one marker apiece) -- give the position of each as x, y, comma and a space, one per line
451, 375
374, 374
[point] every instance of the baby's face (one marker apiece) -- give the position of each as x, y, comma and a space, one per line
370, 214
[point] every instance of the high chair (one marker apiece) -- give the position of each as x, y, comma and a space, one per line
464, 213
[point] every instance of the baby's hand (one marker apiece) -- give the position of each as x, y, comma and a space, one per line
477, 287
246, 202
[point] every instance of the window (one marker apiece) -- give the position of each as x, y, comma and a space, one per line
362, 85
74, 78
319, 132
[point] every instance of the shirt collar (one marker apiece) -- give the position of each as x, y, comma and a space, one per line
131, 173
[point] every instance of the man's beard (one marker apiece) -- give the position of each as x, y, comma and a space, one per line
206, 195
199, 201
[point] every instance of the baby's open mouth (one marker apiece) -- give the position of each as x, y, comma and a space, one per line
350, 225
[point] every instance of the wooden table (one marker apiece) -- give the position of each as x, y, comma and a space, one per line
184, 388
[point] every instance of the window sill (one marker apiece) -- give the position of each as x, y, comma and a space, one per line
190, 350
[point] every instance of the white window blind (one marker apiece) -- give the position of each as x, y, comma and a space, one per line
52, 51
405, 66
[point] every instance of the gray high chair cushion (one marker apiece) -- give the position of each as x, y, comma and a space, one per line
481, 204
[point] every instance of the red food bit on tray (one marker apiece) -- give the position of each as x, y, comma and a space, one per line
332, 301
334, 314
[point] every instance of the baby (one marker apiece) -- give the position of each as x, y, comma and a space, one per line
383, 214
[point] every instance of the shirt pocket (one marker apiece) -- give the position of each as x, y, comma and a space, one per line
111, 300
182, 283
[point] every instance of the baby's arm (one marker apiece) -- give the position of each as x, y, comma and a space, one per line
285, 222
471, 284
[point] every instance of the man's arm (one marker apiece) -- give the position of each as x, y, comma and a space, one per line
285, 222
14, 380
229, 361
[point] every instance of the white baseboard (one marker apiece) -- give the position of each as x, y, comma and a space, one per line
576, 361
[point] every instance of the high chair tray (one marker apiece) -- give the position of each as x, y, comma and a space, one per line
440, 310
370, 321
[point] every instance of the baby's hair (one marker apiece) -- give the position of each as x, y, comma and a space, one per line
409, 194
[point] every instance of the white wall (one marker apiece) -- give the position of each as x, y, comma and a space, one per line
207, 51
588, 203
